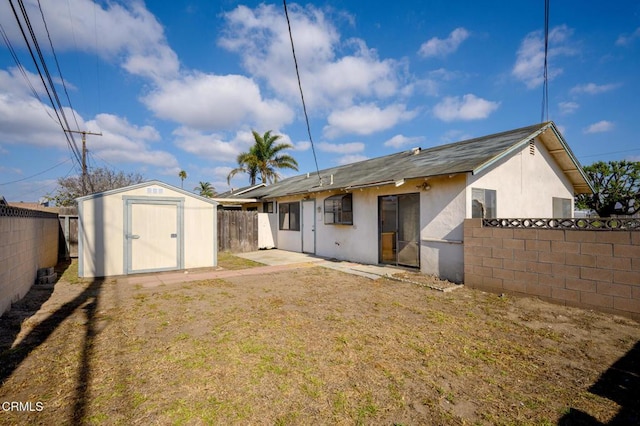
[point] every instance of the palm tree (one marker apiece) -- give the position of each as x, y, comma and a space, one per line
205, 189
264, 158
182, 175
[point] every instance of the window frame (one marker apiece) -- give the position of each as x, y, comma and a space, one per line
565, 205
268, 207
285, 214
488, 196
338, 209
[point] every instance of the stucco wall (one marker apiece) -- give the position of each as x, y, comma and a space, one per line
442, 212
586, 268
286, 239
525, 184
26, 245
101, 239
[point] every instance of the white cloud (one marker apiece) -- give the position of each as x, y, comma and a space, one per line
568, 107
469, 107
399, 141
25, 121
119, 125
126, 33
213, 103
301, 146
365, 119
599, 127
626, 39
529, 64
443, 47
342, 148
122, 142
211, 146
353, 158
260, 36
592, 88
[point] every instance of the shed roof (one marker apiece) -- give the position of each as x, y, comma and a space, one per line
469, 156
143, 185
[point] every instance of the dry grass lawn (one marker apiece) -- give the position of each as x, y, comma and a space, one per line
306, 346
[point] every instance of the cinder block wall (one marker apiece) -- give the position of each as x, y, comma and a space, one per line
28, 241
585, 268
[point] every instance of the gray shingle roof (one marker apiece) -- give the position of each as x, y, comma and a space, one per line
461, 157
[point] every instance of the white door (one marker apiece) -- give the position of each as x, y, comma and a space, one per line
152, 237
309, 226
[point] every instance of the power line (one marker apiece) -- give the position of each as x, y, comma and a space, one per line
304, 107
12, 51
55, 57
545, 85
70, 140
609, 153
37, 174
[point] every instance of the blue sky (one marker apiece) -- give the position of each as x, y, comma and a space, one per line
180, 85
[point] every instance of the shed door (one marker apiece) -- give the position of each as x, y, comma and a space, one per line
153, 237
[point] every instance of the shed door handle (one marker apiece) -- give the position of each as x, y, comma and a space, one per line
133, 236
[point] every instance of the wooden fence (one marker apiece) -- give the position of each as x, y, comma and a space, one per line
237, 231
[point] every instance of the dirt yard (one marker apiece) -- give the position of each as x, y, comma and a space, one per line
310, 346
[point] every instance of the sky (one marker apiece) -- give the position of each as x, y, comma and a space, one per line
180, 85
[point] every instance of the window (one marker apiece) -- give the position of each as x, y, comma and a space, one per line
267, 207
561, 207
290, 216
483, 203
338, 210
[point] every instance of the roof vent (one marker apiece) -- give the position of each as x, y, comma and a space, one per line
416, 150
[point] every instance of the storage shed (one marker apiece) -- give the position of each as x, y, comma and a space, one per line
147, 227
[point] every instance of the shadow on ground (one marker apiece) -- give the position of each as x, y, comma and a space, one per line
620, 383
12, 356
11, 321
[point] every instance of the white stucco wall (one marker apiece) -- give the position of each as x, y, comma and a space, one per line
442, 212
357, 242
525, 184
286, 239
102, 228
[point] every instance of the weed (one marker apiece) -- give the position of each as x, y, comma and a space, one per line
339, 403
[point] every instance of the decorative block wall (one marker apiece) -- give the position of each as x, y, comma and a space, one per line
594, 269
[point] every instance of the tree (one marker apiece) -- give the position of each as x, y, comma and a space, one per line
99, 180
264, 158
205, 189
617, 188
182, 175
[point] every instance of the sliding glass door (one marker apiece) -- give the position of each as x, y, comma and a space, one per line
399, 229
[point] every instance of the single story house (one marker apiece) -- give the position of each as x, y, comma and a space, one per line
146, 227
408, 208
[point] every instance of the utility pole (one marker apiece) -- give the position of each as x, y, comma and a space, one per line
84, 155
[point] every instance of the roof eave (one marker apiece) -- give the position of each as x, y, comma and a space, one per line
578, 168
513, 148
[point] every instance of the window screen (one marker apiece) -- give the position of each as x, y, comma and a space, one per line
338, 209
289, 215
561, 207
483, 203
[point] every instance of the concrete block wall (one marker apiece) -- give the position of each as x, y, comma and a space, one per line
594, 269
27, 242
